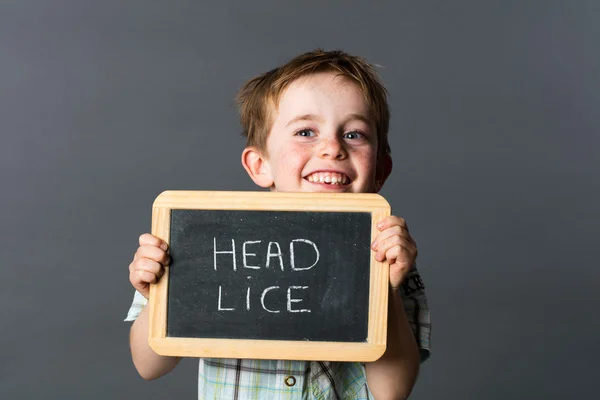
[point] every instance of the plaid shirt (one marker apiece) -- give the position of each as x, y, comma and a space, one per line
280, 380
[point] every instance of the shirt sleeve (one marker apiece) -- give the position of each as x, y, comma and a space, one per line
138, 304
417, 311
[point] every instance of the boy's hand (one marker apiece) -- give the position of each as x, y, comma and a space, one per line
395, 245
148, 263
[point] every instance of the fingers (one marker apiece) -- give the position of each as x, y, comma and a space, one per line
390, 221
395, 247
148, 263
149, 240
141, 279
394, 240
143, 272
392, 231
389, 227
152, 253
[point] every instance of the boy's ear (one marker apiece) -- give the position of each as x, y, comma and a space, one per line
257, 167
384, 170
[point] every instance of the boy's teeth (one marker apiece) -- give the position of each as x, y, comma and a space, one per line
328, 177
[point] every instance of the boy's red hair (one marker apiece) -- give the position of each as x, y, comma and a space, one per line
258, 95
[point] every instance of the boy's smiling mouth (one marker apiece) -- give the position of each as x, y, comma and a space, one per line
330, 178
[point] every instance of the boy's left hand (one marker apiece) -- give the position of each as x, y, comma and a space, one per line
395, 245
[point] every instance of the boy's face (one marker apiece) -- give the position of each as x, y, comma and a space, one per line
322, 139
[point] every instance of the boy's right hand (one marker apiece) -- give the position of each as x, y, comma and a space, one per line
148, 263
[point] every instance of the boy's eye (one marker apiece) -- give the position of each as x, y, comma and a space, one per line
353, 135
305, 133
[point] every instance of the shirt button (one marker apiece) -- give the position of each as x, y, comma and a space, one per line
290, 381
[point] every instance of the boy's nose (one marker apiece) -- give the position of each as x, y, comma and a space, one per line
333, 148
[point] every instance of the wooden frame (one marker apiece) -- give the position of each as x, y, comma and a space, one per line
270, 349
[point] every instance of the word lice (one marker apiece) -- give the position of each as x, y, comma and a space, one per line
290, 300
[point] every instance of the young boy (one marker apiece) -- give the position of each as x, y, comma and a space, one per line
317, 124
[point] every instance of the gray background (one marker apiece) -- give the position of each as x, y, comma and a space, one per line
495, 136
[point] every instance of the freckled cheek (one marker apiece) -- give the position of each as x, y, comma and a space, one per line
366, 163
295, 154
365, 158
292, 161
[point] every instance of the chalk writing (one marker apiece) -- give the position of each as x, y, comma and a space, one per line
273, 251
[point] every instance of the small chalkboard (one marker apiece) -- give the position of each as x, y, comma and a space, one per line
269, 275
